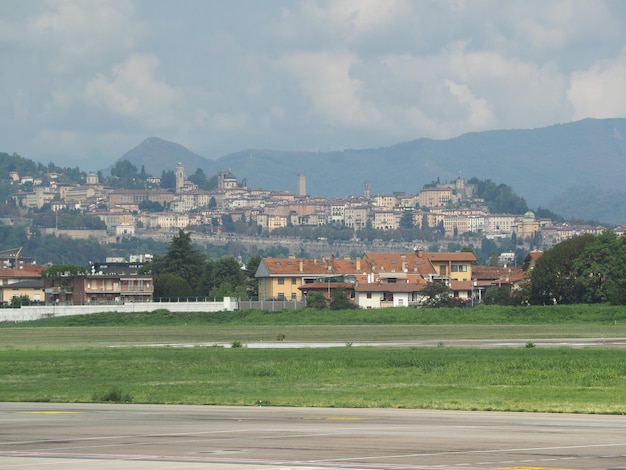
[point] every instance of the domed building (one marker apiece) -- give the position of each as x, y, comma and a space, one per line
527, 226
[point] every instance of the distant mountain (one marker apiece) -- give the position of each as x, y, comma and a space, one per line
538, 164
156, 155
591, 204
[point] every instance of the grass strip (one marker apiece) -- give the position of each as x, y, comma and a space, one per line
525, 379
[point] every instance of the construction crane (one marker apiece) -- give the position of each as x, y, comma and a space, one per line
11, 257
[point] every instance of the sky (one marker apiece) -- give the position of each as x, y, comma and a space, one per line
84, 81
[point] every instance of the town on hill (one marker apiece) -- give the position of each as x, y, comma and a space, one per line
442, 223
131, 203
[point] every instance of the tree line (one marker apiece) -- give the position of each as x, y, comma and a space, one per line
187, 272
588, 269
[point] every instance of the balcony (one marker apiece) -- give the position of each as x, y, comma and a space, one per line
59, 290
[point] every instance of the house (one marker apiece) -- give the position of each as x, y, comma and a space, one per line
531, 260
374, 281
106, 283
388, 294
24, 280
31, 288
292, 278
398, 278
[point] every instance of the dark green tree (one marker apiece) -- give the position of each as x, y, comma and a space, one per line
171, 285
406, 220
200, 179
168, 179
436, 295
553, 279
151, 206
316, 300
498, 296
252, 283
182, 259
125, 175
601, 270
64, 269
339, 300
224, 270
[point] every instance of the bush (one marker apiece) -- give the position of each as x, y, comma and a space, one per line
316, 300
114, 395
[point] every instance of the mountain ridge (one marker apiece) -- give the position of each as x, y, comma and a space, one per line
539, 164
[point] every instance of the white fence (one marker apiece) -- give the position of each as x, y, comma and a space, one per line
27, 313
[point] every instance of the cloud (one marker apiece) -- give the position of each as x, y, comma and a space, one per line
480, 114
134, 91
354, 18
599, 91
299, 74
326, 81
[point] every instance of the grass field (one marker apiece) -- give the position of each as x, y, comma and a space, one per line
90, 358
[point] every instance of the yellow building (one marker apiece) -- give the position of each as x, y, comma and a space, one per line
281, 278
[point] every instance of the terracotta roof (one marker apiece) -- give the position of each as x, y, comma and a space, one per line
29, 270
452, 256
480, 272
461, 285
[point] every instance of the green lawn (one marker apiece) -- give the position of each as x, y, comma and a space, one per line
524, 379
95, 358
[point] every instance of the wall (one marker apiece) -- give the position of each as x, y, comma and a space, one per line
28, 313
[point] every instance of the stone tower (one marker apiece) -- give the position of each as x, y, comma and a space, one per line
301, 185
180, 177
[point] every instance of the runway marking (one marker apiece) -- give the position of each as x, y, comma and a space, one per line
337, 418
468, 452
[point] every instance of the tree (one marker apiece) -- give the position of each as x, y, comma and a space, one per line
406, 220
151, 206
252, 283
437, 294
183, 260
339, 300
498, 296
553, 279
64, 270
316, 300
224, 270
125, 175
200, 179
171, 285
168, 179
226, 289
19, 300
601, 270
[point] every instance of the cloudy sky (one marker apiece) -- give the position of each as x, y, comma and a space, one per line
83, 81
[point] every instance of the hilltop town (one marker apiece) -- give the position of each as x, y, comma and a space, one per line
175, 209
453, 209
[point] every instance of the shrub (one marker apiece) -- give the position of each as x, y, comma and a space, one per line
114, 395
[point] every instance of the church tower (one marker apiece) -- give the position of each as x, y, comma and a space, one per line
180, 177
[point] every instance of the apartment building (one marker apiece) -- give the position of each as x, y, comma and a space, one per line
374, 281
385, 219
435, 197
356, 217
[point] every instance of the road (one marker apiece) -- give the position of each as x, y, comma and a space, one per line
159, 437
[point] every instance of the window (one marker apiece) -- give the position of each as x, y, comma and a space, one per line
369, 295
281, 296
459, 268
293, 296
293, 281
281, 281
